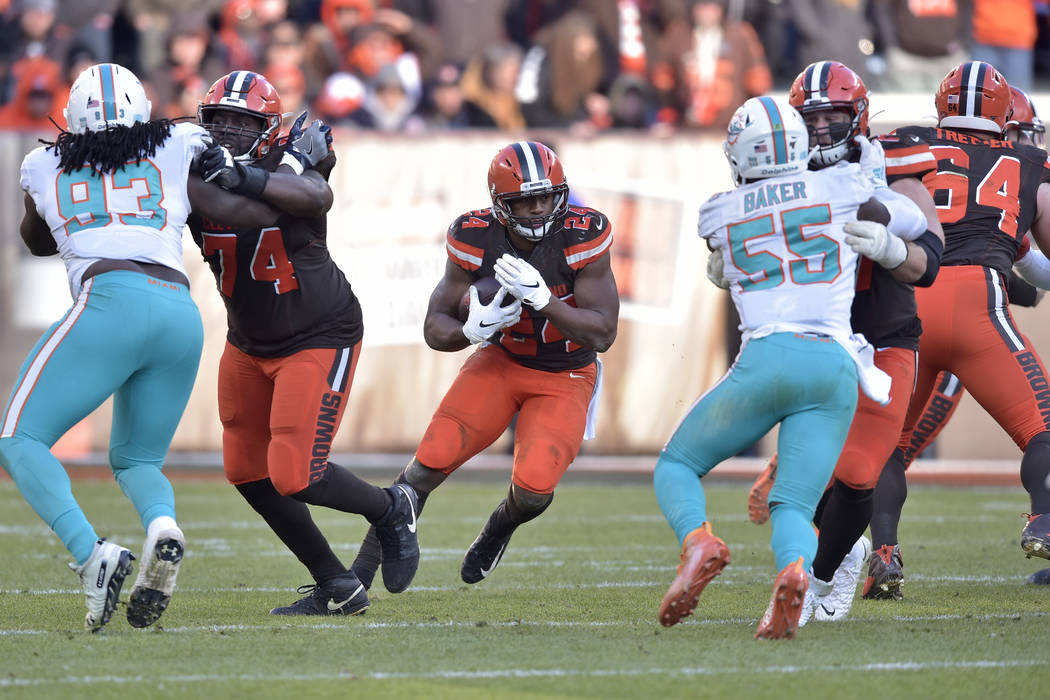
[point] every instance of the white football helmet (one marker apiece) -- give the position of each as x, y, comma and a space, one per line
105, 95
766, 137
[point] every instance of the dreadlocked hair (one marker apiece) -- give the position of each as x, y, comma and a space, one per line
110, 150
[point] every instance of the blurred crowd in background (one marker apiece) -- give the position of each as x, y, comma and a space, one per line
412, 66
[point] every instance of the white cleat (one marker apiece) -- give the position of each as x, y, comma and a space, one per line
161, 556
836, 605
818, 590
102, 576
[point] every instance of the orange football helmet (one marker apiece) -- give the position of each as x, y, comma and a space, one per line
1025, 125
527, 169
830, 85
247, 93
974, 95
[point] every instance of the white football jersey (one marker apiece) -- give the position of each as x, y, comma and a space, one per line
137, 213
783, 249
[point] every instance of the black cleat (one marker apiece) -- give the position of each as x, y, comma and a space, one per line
1035, 538
1040, 578
885, 574
398, 543
483, 555
342, 595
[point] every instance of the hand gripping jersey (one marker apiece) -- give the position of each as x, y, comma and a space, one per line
984, 190
476, 240
784, 252
282, 290
884, 308
136, 213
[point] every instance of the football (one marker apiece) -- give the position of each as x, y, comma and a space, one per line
873, 210
487, 288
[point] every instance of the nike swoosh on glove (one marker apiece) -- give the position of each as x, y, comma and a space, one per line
309, 147
873, 241
484, 320
523, 281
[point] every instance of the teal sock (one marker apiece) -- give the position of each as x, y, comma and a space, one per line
681, 496
793, 535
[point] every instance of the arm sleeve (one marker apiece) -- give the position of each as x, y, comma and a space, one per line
1034, 268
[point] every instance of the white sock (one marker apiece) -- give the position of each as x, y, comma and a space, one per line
159, 524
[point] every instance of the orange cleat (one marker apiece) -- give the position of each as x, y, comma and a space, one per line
758, 497
703, 557
785, 607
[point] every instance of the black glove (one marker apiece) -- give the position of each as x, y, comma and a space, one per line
312, 146
216, 164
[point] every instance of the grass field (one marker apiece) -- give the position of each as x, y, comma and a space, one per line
570, 612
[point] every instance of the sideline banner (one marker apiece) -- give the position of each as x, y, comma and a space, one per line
394, 198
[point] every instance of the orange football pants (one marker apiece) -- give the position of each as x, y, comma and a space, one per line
875, 429
968, 330
490, 388
280, 414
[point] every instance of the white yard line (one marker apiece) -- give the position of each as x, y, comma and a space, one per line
153, 680
553, 624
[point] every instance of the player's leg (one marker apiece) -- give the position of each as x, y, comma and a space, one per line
311, 390
808, 444
549, 431
727, 418
71, 370
472, 415
1005, 374
939, 409
842, 549
146, 412
245, 396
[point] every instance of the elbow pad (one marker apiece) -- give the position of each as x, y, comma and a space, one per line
1034, 268
934, 249
906, 218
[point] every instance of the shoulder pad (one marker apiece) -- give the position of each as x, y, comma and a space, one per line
587, 234
466, 235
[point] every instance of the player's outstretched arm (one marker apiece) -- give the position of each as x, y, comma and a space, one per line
35, 231
213, 202
923, 261
307, 195
442, 328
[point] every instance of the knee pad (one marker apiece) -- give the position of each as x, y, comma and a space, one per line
442, 445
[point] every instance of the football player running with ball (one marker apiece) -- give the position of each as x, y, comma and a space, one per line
536, 357
781, 243
111, 197
294, 336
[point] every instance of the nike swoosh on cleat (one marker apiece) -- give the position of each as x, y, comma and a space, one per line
333, 606
411, 525
829, 613
485, 572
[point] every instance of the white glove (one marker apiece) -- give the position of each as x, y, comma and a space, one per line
715, 271
523, 281
484, 320
872, 160
872, 240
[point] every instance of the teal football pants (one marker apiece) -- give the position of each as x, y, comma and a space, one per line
804, 382
129, 336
